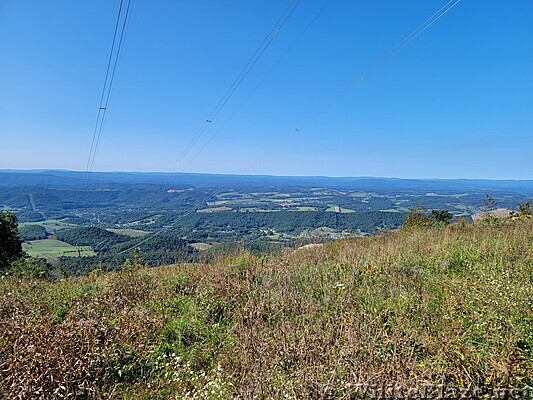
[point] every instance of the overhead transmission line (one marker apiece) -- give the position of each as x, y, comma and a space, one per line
360, 78
259, 84
382, 60
278, 26
147, 201
111, 70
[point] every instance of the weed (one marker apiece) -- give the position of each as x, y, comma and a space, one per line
447, 304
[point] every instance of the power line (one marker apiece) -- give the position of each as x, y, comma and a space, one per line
104, 88
260, 83
146, 202
404, 42
122, 35
108, 84
280, 23
209, 196
386, 57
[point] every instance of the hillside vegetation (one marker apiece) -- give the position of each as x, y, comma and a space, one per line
450, 305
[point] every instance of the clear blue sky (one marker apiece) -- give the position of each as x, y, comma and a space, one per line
456, 103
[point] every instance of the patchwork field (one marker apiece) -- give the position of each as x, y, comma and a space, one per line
51, 249
128, 232
51, 225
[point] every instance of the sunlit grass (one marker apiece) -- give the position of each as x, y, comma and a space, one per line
433, 305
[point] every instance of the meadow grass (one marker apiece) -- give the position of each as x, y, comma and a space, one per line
128, 232
449, 305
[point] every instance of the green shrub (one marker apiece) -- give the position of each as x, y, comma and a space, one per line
441, 217
29, 268
416, 217
525, 209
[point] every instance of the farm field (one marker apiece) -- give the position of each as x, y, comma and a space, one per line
51, 225
338, 209
128, 232
201, 246
51, 249
213, 209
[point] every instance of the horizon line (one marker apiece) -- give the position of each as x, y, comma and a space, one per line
262, 175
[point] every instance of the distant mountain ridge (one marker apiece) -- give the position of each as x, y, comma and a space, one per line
76, 179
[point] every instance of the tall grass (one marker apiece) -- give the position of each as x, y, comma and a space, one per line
446, 305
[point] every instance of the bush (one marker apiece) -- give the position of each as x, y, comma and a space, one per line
525, 209
416, 217
441, 217
29, 268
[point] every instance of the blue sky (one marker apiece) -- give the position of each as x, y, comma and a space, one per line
455, 103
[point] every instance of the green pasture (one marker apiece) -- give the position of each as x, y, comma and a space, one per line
51, 225
128, 232
51, 249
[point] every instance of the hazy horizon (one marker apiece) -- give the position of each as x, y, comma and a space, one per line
259, 175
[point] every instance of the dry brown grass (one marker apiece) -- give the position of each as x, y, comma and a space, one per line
434, 305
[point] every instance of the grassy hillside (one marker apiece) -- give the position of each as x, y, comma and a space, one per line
446, 306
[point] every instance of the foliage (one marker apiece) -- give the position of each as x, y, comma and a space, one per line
10, 241
147, 205
290, 222
525, 209
29, 268
405, 307
416, 217
99, 239
160, 249
441, 217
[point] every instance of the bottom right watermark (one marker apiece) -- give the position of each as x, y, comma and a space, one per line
423, 392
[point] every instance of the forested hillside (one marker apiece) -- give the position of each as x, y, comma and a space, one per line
177, 217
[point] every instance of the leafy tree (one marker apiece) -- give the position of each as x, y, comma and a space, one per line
10, 241
441, 217
525, 209
416, 217
99, 239
30, 268
138, 261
